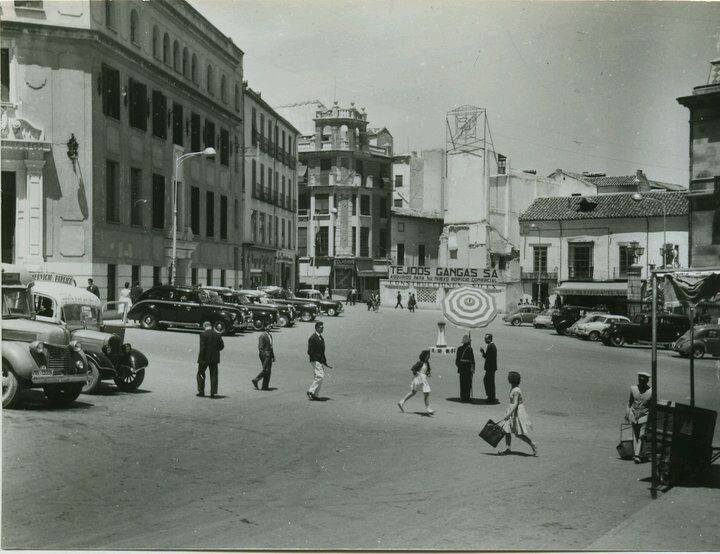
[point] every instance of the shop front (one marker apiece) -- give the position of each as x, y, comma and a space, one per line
611, 296
260, 267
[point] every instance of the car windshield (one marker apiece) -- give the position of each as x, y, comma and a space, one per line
15, 303
80, 314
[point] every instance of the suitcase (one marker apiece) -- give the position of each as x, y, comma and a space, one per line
625, 446
493, 433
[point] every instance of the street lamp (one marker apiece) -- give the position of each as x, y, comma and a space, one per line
637, 197
205, 153
533, 226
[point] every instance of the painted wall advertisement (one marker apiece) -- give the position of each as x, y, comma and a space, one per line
444, 276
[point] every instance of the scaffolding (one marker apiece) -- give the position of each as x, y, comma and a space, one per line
467, 131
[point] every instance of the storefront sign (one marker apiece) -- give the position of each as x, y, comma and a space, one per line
444, 276
53, 277
344, 262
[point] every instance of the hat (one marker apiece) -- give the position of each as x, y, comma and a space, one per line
643, 374
466, 338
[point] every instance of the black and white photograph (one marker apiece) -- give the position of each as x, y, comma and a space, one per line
371, 275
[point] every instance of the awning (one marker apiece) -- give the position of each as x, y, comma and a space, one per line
365, 268
592, 289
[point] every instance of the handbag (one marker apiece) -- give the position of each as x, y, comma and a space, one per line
625, 448
493, 433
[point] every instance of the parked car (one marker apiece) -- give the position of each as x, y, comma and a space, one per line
521, 314
329, 307
286, 314
670, 327
308, 310
591, 328
706, 340
260, 315
36, 354
587, 318
544, 319
80, 312
181, 306
567, 315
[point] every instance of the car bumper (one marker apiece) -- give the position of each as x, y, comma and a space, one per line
39, 378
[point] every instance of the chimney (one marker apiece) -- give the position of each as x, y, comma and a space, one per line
641, 181
714, 77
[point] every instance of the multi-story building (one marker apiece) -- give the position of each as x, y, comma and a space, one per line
570, 182
99, 99
704, 106
270, 195
344, 197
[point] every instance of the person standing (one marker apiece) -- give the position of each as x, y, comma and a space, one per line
92, 287
211, 344
124, 297
318, 362
637, 412
490, 355
516, 421
421, 372
412, 302
399, 301
465, 363
267, 357
135, 292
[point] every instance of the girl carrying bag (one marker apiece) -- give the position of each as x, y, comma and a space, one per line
492, 433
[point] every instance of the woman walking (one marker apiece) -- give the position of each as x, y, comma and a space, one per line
419, 383
637, 412
516, 420
124, 297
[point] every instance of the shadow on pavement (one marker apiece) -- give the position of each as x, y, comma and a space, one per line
423, 414
511, 453
474, 401
321, 399
107, 390
35, 400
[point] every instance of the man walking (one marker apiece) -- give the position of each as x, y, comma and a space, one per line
267, 357
399, 301
92, 287
211, 344
465, 363
316, 352
490, 356
135, 292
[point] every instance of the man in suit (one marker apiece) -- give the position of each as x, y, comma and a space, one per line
267, 357
211, 344
399, 301
135, 292
92, 287
465, 363
490, 356
316, 352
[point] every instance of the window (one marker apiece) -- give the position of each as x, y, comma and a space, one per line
137, 109
322, 203
325, 164
223, 217
208, 277
111, 91
321, 241
158, 202
540, 259
112, 192
262, 125
193, 276
166, 49
136, 204
453, 254
716, 215
155, 42
237, 98
364, 242
262, 228
253, 128
236, 213
224, 147
5, 75
176, 56
194, 132
502, 263
112, 281
398, 182
253, 175
354, 204
156, 275
580, 260
209, 81
178, 124
185, 62
254, 225
277, 230
195, 210
110, 13
209, 214
626, 260
401, 227
159, 118
193, 68
223, 89
400, 258
383, 208
421, 254
282, 240
29, 4
134, 27
397, 203
209, 134
364, 204
222, 277
283, 141
382, 243
302, 241
135, 274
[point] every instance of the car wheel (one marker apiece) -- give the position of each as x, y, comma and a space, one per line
306, 316
332, 312
698, 351
283, 321
10, 386
221, 328
560, 331
148, 321
94, 379
594, 336
63, 394
258, 325
617, 340
128, 381
515, 321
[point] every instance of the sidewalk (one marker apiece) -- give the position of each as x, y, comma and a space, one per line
676, 519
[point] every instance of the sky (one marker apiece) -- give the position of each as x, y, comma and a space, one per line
583, 86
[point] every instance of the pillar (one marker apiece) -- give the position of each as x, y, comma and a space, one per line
311, 227
30, 217
357, 226
331, 226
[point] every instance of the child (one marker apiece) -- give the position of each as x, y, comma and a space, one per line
516, 420
421, 371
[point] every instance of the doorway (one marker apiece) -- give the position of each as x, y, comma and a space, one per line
540, 293
9, 200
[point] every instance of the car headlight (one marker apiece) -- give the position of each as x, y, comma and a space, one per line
233, 316
75, 346
79, 364
127, 348
38, 347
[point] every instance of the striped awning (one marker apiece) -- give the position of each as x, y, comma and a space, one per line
592, 289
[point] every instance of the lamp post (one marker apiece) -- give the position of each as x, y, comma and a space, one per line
533, 226
637, 197
179, 160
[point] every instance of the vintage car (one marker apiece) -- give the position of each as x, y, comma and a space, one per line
81, 313
670, 327
587, 318
592, 327
329, 307
521, 314
567, 315
706, 340
286, 315
544, 319
36, 354
181, 306
308, 310
260, 316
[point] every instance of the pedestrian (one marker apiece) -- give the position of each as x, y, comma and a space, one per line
490, 356
329, 293
353, 296
465, 363
92, 287
516, 421
637, 412
412, 302
399, 301
267, 357
370, 302
348, 297
376, 301
124, 297
318, 362
211, 344
421, 372
135, 292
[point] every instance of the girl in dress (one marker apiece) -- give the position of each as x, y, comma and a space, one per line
125, 298
421, 371
516, 420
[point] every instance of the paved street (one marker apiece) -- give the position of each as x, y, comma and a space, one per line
161, 468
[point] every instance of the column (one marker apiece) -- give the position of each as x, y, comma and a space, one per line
331, 226
30, 222
311, 227
357, 226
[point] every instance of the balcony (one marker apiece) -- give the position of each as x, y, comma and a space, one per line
580, 273
540, 275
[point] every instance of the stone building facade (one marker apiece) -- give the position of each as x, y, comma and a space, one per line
99, 98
